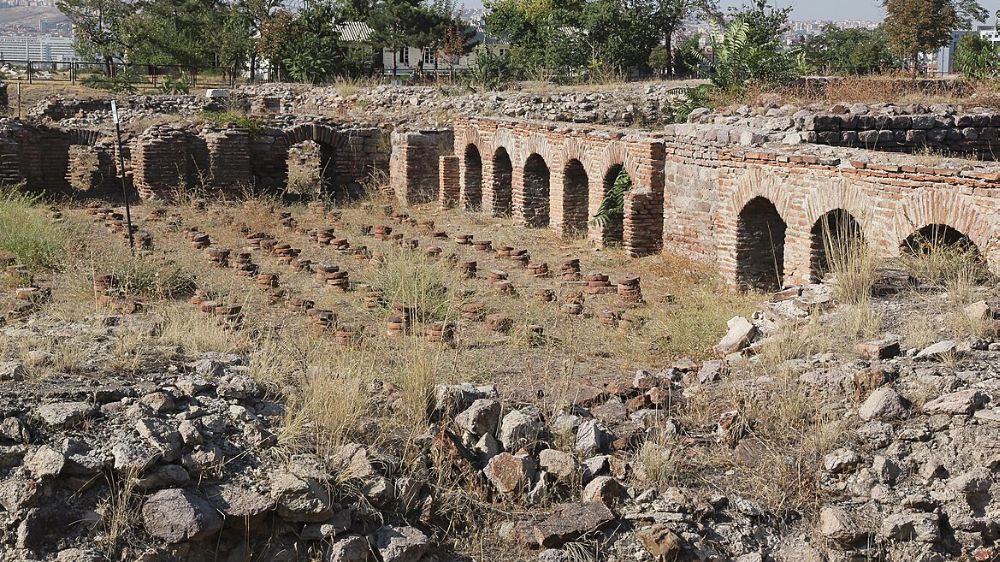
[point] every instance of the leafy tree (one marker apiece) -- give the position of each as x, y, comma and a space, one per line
659, 60
739, 62
97, 27
408, 23
277, 38
619, 36
667, 17
456, 43
919, 26
491, 72
688, 57
977, 58
764, 24
173, 32
315, 52
849, 51
969, 12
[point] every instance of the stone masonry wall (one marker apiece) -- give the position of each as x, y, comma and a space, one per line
885, 127
709, 183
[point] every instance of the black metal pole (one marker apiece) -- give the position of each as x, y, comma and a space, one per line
121, 167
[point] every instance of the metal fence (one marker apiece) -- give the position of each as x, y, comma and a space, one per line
143, 75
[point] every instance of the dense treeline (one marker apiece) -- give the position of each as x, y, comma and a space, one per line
562, 40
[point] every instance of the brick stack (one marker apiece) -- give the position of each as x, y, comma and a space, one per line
160, 161
218, 256
598, 283
629, 289
570, 270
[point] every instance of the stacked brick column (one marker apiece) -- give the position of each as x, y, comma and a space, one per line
449, 181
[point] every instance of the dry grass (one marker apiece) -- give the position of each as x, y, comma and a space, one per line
120, 512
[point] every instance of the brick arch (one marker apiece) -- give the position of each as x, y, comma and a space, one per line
840, 197
617, 154
504, 138
472, 135
755, 184
316, 132
924, 208
536, 144
574, 149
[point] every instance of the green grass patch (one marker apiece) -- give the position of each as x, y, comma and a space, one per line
28, 233
253, 125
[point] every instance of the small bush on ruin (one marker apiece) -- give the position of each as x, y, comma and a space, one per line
253, 125
36, 241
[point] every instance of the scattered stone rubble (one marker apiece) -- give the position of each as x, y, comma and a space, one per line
187, 447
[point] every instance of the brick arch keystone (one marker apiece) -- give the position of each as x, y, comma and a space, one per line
504, 138
617, 154
536, 144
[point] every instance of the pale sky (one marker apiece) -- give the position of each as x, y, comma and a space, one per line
844, 9
837, 10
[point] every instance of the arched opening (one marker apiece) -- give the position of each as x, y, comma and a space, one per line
760, 246
937, 237
575, 198
611, 213
836, 241
472, 186
535, 203
312, 169
943, 255
503, 190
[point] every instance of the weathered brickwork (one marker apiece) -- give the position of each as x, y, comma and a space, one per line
415, 175
551, 175
449, 180
41, 156
754, 211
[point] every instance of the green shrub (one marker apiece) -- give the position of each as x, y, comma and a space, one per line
143, 278
123, 83
25, 231
176, 85
224, 118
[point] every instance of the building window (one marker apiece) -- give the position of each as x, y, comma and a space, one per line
404, 56
430, 56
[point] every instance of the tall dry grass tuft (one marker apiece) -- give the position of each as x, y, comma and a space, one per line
846, 257
941, 256
186, 327
412, 279
120, 512
25, 231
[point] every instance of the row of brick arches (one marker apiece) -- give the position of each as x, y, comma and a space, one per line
534, 206
761, 239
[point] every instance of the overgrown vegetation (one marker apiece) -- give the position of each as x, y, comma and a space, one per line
25, 231
612, 207
255, 126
